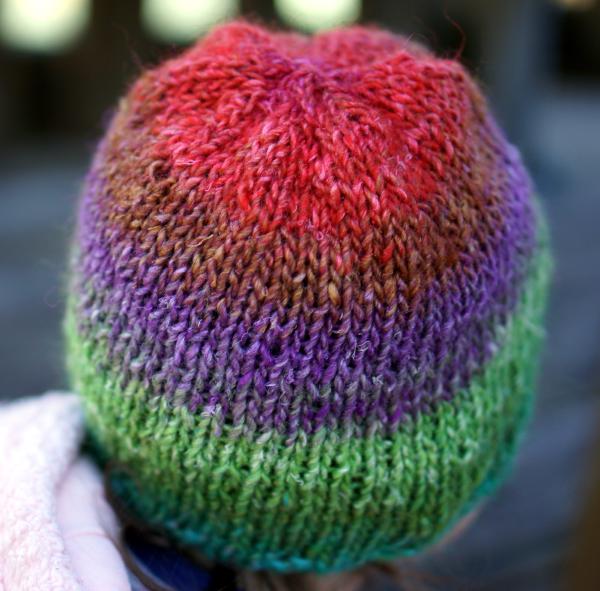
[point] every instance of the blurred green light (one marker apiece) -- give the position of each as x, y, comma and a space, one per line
316, 15
182, 21
43, 25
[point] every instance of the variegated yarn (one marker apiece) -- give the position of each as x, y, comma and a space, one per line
306, 300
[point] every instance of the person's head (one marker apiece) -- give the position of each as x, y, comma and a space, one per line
306, 299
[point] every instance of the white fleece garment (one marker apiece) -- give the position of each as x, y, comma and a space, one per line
56, 530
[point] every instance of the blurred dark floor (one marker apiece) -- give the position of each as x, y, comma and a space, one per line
39, 185
520, 540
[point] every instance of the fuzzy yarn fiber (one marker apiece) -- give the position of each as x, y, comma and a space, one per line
306, 299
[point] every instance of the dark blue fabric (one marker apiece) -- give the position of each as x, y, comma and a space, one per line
170, 569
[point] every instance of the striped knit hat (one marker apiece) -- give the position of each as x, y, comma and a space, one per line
306, 297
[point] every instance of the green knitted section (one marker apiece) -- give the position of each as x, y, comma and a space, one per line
325, 502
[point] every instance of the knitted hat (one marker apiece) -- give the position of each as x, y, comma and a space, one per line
306, 300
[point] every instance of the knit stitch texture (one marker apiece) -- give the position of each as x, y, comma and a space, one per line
307, 295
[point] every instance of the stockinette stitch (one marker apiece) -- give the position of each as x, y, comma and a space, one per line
306, 299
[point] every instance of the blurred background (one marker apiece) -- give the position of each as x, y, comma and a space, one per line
63, 64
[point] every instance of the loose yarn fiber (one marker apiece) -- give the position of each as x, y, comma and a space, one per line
306, 300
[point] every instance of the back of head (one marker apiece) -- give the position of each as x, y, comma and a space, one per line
307, 290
